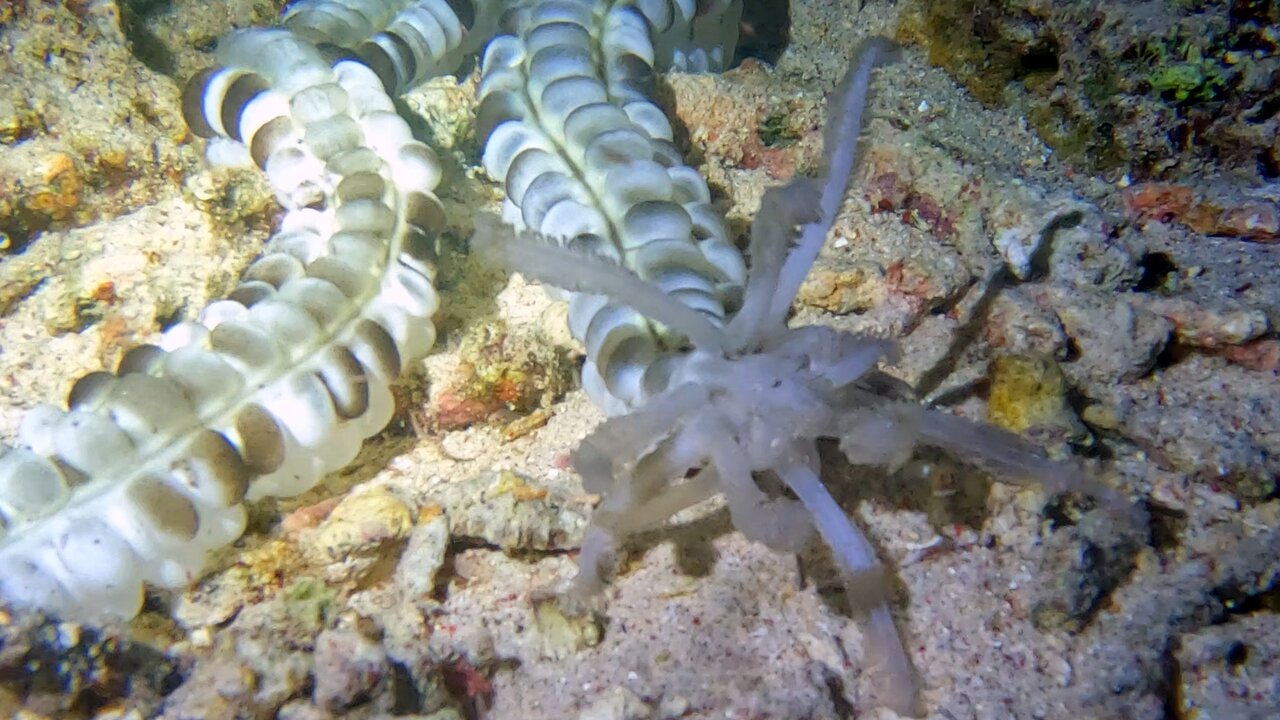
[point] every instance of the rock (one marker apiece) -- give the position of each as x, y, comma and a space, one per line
506, 510
1029, 392
1230, 670
843, 288
364, 530
618, 704
350, 668
424, 556
1116, 338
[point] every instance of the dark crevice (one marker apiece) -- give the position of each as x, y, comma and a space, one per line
764, 32
1157, 269
1268, 166
1172, 354
835, 691
1042, 58
1237, 654
1167, 527
144, 44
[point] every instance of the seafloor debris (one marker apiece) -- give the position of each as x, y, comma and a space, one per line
56, 669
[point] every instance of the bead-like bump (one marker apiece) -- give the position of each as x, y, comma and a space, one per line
31, 486
365, 216
168, 510
246, 343
340, 274
425, 212
328, 137
408, 68
143, 405
90, 389
344, 379
354, 161
636, 72
193, 103
418, 250
376, 349
494, 110
334, 54
140, 359
318, 103
267, 138
426, 161
251, 292
527, 167
380, 61
216, 469
241, 92
262, 443
319, 298
73, 477
359, 249
275, 269
362, 186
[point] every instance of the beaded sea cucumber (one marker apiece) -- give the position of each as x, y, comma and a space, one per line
588, 159
148, 467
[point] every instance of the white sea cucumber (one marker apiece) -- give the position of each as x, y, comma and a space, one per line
148, 467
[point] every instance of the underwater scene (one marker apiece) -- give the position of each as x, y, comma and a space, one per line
640, 359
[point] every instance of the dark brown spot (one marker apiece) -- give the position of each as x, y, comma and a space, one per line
375, 348
241, 92
193, 102
167, 510
262, 442
90, 389
215, 464
266, 138
141, 359
344, 378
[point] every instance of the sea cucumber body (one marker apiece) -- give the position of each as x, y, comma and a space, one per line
588, 159
267, 390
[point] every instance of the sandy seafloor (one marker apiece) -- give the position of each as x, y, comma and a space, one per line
416, 582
